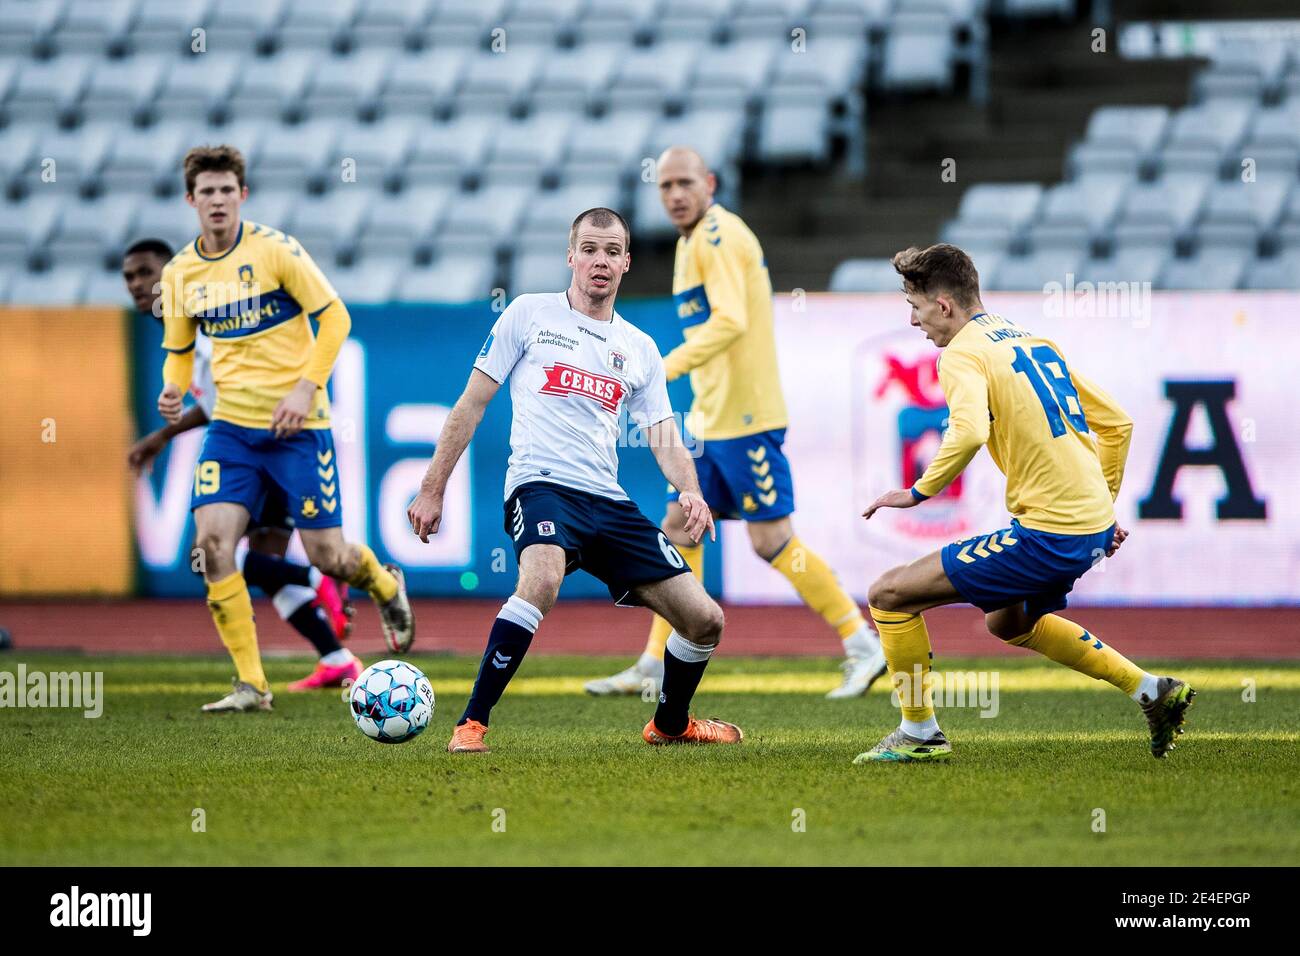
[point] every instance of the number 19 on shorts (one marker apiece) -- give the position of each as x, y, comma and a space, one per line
207, 478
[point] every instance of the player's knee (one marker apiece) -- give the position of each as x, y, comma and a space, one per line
706, 626
217, 553
541, 588
1003, 629
886, 592
331, 559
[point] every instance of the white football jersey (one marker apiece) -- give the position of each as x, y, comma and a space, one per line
202, 387
570, 378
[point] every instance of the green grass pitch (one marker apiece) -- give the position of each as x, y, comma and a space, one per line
570, 782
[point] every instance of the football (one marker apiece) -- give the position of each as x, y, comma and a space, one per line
391, 702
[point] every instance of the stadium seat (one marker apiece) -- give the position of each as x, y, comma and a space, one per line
918, 53
538, 265
398, 224
293, 155
242, 25
733, 74
523, 152
492, 213
53, 287
27, 26
606, 21
26, 225
77, 153
714, 133
1219, 125
541, 22
1101, 159
94, 26
464, 23
1279, 272
168, 219
451, 278
387, 24
197, 85
1210, 269
272, 207
767, 18
1000, 204
146, 160
989, 238
1174, 202
498, 82
651, 77
835, 63
378, 151
1034, 271
48, 89
1242, 70
1139, 128
443, 150
617, 141
330, 225
347, 86
1089, 205
269, 87
851, 19
865, 275
372, 279
422, 83
691, 19
793, 126
316, 25
169, 28
105, 287
550, 215
572, 79
120, 89
87, 232
17, 149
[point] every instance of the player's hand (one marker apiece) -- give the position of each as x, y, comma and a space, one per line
143, 452
1115, 542
287, 419
170, 403
902, 498
698, 517
425, 514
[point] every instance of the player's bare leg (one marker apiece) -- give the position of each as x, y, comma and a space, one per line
697, 624
812, 578
357, 565
646, 674
1164, 700
541, 572
218, 528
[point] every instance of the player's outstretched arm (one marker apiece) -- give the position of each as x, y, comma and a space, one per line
679, 468
425, 511
143, 452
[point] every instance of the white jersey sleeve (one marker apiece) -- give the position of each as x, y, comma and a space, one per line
648, 405
505, 343
202, 387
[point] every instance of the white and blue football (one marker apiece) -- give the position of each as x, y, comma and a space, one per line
392, 702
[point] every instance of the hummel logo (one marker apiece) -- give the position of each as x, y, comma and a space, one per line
500, 661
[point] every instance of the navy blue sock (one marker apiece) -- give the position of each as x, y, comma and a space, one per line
271, 573
512, 632
311, 623
681, 678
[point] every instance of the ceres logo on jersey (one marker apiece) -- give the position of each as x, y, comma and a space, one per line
567, 380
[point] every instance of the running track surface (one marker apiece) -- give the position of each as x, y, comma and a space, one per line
596, 628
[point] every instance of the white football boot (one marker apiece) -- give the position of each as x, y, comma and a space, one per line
643, 678
862, 667
243, 698
395, 618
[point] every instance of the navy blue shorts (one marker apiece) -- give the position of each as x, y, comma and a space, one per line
1016, 564
745, 477
249, 466
610, 540
274, 514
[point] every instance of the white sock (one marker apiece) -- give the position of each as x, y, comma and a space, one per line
862, 643
337, 658
315, 577
684, 650
922, 730
518, 611
1149, 688
289, 598
650, 665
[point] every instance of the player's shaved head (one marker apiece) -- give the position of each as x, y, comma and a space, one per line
686, 186
602, 218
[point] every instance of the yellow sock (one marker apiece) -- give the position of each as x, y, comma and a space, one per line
817, 585
232, 612
660, 629
906, 643
1070, 644
373, 577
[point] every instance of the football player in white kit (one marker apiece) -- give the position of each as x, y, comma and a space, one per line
574, 365
313, 604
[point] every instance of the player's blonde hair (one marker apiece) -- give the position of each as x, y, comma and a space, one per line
939, 268
212, 159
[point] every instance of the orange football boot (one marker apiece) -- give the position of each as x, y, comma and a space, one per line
467, 738
708, 730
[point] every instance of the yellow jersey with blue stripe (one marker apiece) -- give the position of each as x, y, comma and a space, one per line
723, 296
1060, 440
253, 301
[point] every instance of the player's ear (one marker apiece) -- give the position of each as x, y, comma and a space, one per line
627, 261
189, 198
243, 192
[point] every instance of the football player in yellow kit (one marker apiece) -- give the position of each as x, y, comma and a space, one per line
724, 303
1062, 443
253, 289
